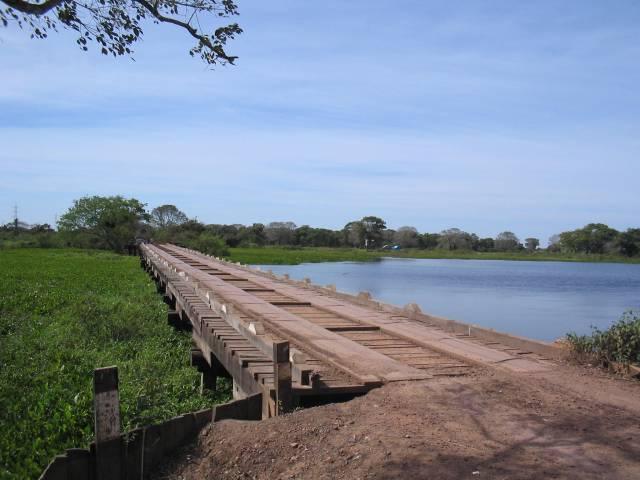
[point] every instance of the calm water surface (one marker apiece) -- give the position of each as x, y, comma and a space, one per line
541, 300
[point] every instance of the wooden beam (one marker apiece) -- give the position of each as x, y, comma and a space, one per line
282, 377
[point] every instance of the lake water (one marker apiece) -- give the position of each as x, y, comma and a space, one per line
542, 300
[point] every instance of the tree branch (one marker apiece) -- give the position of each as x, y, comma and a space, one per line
192, 31
33, 8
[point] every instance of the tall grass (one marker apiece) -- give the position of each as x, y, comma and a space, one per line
62, 314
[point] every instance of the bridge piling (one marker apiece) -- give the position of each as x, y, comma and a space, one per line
208, 376
282, 377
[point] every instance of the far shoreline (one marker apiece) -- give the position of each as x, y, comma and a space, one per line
299, 255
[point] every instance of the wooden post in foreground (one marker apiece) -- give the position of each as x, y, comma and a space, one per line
282, 377
106, 405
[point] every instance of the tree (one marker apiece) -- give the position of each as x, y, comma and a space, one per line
373, 227
115, 25
406, 237
167, 215
554, 243
531, 244
456, 239
281, 233
353, 234
629, 242
592, 238
387, 236
103, 222
210, 244
486, 244
307, 236
506, 241
428, 240
255, 234
231, 234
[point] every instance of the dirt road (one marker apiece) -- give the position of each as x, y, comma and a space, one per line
571, 423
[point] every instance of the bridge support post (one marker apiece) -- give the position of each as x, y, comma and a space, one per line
169, 300
282, 378
208, 377
238, 393
173, 318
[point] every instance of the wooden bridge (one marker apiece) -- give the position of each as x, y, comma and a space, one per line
295, 344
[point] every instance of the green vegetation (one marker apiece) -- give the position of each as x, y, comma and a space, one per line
116, 223
519, 255
62, 314
108, 223
19, 235
297, 255
619, 343
294, 256
191, 234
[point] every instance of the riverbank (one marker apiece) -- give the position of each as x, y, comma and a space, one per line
296, 256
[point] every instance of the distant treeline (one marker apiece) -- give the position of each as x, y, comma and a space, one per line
113, 222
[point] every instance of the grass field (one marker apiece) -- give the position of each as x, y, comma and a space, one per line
62, 314
294, 256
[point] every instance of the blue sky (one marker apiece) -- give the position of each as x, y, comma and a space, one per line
483, 115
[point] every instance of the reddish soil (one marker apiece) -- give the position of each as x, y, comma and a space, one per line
571, 423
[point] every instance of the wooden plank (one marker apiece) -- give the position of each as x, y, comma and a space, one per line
246, 362
255, 370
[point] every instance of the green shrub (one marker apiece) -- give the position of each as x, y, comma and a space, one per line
619, 343
210, 244
64, 313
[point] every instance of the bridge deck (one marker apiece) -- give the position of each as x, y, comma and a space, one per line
337, 347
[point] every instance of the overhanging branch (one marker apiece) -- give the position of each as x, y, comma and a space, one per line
203, 39
33, 8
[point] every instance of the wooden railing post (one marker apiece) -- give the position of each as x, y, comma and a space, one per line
282, 377
106, 403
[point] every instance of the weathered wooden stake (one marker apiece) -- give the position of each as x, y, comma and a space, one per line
282, 377
106, 405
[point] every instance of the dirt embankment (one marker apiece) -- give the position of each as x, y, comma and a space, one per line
489, 425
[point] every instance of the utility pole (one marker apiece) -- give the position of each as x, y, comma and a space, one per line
15, 219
